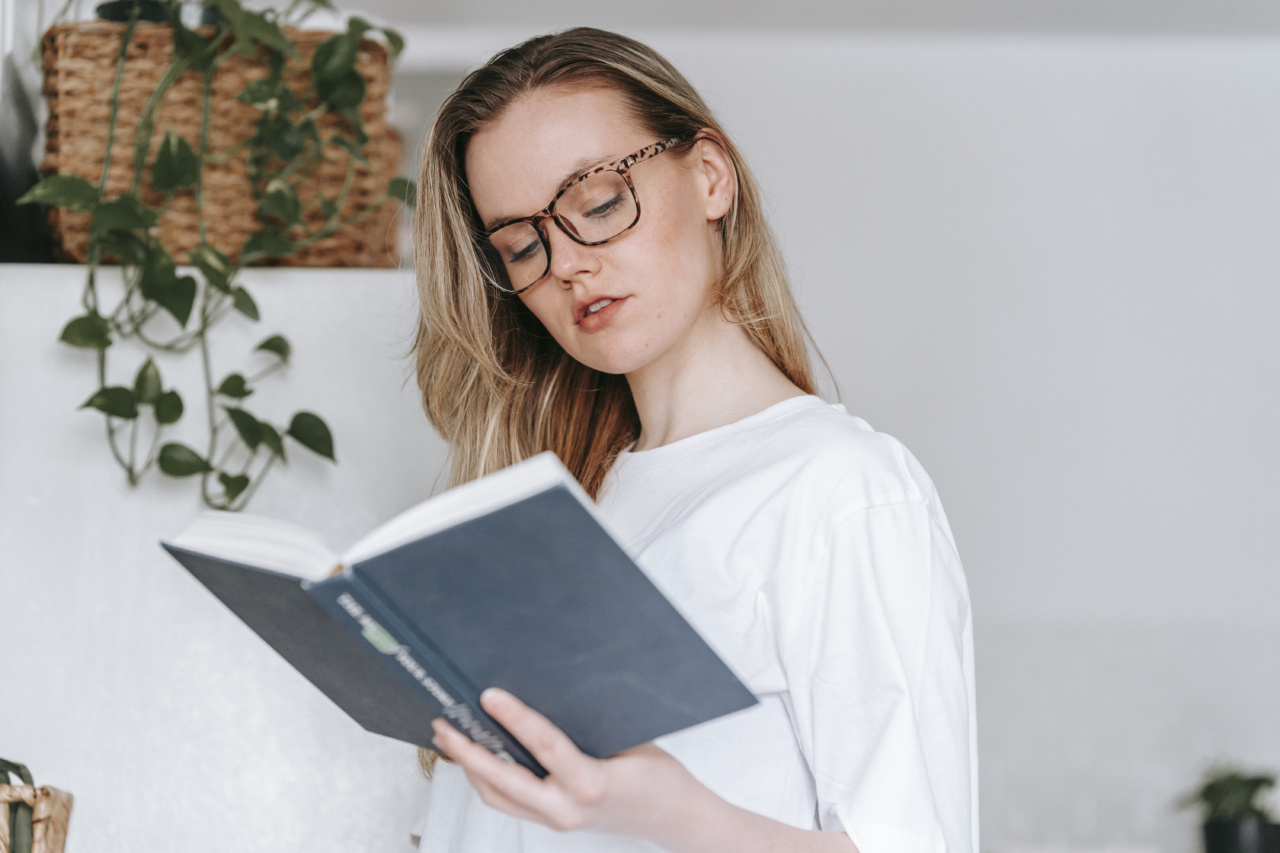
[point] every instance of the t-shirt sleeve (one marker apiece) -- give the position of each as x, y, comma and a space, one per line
876, 642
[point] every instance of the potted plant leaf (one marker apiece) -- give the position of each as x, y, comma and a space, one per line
244, 140
1234, 819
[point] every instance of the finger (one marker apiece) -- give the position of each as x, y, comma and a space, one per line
552, 747
513, 781
502, 780
466, 754
494, 798
458, 746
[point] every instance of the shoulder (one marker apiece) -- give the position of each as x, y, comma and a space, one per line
826, 451
798, 467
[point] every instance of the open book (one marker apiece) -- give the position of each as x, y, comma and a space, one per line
508, 581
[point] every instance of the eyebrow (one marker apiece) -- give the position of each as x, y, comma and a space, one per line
576, 170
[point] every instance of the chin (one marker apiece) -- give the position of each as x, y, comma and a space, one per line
616, 360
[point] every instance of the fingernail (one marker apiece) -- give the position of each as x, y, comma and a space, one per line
494, 694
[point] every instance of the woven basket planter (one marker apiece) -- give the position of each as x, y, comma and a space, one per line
79, 68
51, 813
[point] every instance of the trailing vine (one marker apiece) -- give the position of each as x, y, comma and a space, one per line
282, 153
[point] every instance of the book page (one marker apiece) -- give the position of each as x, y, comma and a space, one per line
264, 543
465, 502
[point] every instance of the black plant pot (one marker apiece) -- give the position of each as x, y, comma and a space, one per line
120, 10
1248, 835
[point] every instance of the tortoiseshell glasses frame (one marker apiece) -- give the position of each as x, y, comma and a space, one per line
622, 166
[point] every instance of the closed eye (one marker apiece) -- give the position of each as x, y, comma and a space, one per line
607, 208
526, 253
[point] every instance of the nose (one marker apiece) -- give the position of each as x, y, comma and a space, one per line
570, 260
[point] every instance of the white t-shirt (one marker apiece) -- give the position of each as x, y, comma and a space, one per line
813, 555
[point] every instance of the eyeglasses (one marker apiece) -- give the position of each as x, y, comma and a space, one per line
592, 209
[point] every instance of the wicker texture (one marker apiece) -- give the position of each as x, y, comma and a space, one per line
51, 812
79, 70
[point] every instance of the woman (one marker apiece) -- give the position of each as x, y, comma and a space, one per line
597, 279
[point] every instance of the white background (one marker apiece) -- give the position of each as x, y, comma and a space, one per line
1049, 264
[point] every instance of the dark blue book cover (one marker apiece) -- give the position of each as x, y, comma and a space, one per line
536, 598
528, 592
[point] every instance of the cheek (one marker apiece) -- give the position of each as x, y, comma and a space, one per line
542, 307
661, 243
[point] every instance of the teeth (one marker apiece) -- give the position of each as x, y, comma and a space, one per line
596, 306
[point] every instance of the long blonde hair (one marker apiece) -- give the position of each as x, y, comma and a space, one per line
494, 383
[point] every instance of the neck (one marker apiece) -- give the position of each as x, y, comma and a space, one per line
716, 377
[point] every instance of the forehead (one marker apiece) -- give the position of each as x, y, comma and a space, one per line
518, 162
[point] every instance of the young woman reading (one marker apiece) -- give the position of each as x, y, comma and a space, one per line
597, 279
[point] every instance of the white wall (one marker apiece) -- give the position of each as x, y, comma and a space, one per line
124, 681
1050, 266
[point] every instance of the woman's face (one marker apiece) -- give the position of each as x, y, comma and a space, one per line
658, 277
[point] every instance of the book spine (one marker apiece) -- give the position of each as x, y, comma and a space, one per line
417, 661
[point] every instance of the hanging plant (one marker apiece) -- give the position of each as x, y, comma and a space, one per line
292, 214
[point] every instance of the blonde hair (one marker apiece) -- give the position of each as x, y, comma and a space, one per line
494, 383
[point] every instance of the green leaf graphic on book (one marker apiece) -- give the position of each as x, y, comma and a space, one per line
379, 638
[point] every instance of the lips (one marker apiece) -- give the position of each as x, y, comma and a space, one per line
583, 308
607, 308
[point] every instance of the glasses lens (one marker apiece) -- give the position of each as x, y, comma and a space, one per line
599, 208
520, 255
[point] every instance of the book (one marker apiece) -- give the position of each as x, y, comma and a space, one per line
509, 581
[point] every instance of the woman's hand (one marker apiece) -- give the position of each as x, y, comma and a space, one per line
643, 792
637, 793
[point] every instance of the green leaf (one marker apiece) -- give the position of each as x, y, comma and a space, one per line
395, 41
158, 272
70, 191
308, 128
334, 58
244, 303
178, 299
90, 332
264, 245
146, 385
281, 202
312, 433
287, 143
215, 266
247, 426
160, 283
271, 438
328, 208
269, 96
244, 46
176, 166
125, 245
285, 140
233, 486
351, 146
178, 460
352, 115
357, 27
276, 344
191, 45
116, 401
265, 32
168, 407
262, 94
235, 386
230, 10
342, 93
403, 189
125, 213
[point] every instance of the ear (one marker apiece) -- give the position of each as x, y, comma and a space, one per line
719, 177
